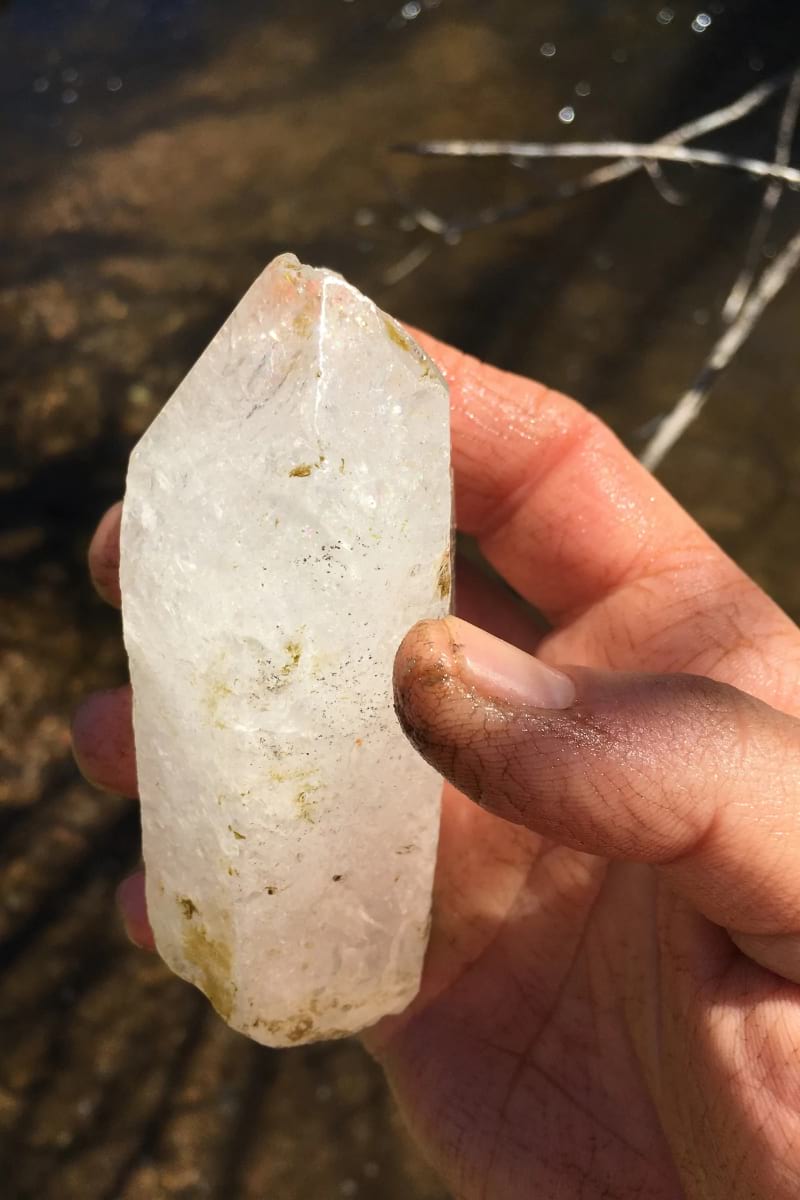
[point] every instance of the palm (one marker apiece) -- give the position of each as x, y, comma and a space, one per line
582, 1032
537, 1060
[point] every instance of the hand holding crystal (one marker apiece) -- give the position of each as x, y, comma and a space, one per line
610, 1001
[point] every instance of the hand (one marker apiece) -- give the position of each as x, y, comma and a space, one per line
610, 1004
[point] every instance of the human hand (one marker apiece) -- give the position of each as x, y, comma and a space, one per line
610, 1004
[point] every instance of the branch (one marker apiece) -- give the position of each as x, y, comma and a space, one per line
644, 151
699, 127
745, 304
408, 263
688, 132
772, 196
689, 407
662, 185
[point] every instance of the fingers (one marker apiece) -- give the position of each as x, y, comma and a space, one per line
102, 741
576, 524
488, 603
678, 771
102, 728
558, 505
133, 906
104, 556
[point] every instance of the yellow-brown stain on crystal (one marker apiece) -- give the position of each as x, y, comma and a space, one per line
216, 689
216, 692
305, 807
308, 1023
443, 576
274, 677
303, 323
299, 774
303, 470
302, 1026
295, 1029
396, 336
294, 651
211, 958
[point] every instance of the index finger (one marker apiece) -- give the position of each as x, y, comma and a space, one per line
104, 556
579, 528
558, 505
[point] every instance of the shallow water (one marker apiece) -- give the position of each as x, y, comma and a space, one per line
157, 154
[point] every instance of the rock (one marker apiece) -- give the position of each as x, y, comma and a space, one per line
286, 519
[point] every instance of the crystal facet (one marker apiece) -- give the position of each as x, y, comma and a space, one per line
286, 519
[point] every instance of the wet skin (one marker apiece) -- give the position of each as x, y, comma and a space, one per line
610, 1004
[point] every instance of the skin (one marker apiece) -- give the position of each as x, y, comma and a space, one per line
609, 1006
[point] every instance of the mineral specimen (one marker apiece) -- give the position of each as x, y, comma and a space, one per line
286, 519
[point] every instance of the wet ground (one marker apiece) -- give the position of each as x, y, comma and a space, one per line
156, 154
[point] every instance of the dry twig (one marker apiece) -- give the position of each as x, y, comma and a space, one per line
749, 102
745, 303
643, 151
772, 196
737, 313
691, 404
408, 264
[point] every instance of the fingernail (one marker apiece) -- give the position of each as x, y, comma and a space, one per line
502, 672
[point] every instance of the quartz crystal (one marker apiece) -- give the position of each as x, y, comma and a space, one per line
286, 520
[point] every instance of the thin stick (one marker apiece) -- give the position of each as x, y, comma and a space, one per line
662, 185
772, 196
408, 263
699, 127
645, 151
718, 119
691, 404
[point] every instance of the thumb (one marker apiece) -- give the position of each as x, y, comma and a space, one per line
690, 775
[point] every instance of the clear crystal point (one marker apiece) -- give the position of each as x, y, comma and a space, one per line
286, 519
